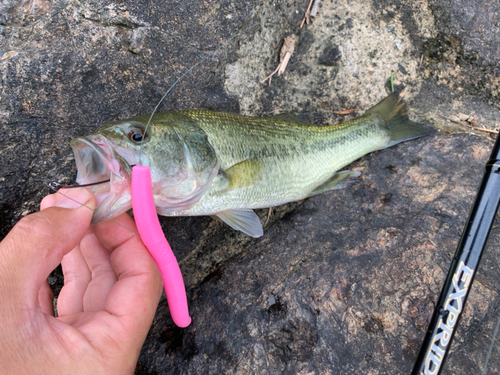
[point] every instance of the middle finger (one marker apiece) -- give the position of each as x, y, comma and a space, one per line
103, 275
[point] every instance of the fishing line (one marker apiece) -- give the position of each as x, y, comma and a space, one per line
56, 185
485, 366
148, 224
56, 189
144, 209
429, 345
201, 61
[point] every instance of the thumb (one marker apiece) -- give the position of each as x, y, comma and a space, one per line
38, 242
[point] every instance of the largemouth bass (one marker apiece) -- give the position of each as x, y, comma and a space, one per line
222, 164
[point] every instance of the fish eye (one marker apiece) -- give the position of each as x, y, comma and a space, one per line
137, 135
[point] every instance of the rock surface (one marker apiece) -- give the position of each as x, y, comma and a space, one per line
342, 283
345, 282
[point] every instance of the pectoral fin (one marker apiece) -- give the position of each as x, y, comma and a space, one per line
243, 174
339, 180
245, 220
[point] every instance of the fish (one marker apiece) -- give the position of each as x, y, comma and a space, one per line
225, 165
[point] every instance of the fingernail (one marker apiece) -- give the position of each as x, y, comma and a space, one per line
74, 198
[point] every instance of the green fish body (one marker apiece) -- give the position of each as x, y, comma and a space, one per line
211, 163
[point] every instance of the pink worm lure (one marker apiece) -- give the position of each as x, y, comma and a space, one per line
149, 227
154, 239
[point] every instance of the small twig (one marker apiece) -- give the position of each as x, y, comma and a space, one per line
483, 129
314, 9
269, 77
470, 126
345, 111
421, 60
306, 18
451, 119
285, 55
8, 55
269, 214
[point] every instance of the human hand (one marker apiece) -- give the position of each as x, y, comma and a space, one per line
111, 290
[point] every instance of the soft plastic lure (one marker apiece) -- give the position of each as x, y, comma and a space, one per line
148, 224
155, 241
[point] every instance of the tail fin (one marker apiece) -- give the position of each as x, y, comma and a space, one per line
392, 111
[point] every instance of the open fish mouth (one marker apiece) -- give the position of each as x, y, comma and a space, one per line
96, 161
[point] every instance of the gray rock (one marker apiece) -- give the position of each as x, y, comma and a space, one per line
330, 55
341, 283
346, 281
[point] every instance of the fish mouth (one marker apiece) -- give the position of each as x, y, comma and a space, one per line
96, 161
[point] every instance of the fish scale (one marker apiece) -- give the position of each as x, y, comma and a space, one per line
311, 155
223, 164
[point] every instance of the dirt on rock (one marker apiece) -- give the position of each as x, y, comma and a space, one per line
341, 283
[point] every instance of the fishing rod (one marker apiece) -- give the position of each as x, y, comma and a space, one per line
464, 266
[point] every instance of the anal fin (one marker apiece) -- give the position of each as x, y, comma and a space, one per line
245, 220
339, 180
